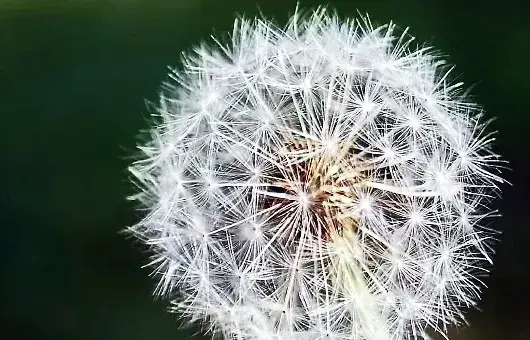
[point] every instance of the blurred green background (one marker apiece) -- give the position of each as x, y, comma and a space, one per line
74, 75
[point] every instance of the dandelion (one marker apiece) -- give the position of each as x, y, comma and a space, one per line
322, 180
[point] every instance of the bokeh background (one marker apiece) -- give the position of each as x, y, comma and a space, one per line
73, 79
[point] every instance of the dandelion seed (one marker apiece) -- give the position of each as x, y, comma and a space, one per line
324, 180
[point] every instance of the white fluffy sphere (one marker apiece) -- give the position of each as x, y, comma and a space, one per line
325, 180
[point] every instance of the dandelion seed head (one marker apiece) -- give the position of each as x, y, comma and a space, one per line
322, 180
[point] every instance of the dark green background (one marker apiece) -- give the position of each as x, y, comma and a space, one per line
73, 78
